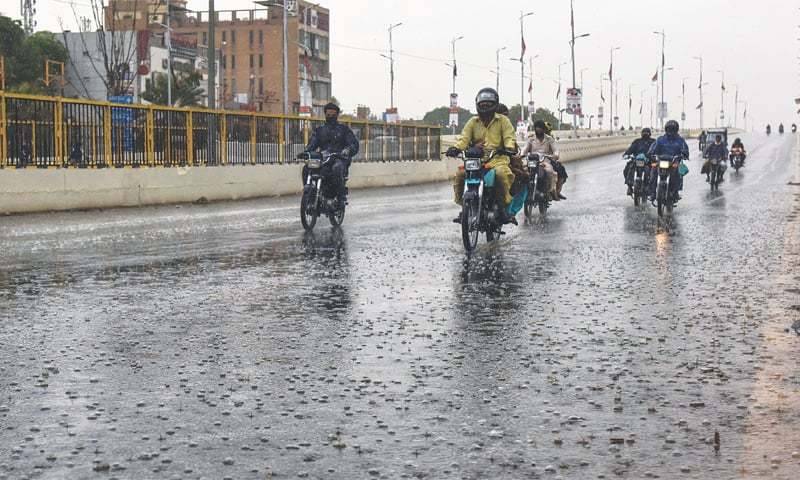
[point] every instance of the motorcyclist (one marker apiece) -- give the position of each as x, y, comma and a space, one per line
488, 131
334, 137
702, 140
670, 145
769, 129
738, 149
780, 128
543, 144
639, 146
717, 151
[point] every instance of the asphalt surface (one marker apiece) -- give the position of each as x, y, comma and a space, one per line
219, 341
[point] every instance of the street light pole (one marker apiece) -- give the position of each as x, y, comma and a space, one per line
702, 106
497, 72
212, 62
572, 49
169, 53
722, 97
455, 65
391, 66
522, 64
663, 63
611, 90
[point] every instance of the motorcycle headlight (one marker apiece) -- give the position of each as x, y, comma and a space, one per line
472, 164
664, 164
314, 163
640, 163
533, 164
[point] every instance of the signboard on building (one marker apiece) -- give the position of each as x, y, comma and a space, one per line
391, 115
574, 101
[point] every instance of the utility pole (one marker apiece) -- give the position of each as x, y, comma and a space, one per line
391, 66
212, 56
169, 52
455, 65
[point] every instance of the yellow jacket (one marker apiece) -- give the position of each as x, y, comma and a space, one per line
499, 134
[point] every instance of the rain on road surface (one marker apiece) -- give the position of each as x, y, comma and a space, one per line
219, 341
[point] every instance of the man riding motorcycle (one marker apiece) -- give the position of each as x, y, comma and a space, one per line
639, 146
490, 132
336, 138
671, 144
738, 149
717, 151
543, 144
702, 140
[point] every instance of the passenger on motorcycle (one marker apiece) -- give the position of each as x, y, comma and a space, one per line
717, 151
639, 146
336, 138
543, 144
490, 132
738, 149
671, 144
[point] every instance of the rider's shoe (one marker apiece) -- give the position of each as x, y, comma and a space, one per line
561, 197
458, 218
630, 190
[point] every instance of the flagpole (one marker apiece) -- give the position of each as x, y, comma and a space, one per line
663, 64
611, 90
701, 91
522, 16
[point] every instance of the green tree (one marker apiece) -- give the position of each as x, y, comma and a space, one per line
186, 90
441, 116
25, 57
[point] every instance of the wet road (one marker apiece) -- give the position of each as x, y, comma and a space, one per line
218, 341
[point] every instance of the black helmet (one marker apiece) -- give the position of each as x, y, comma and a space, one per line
540, 124
332, 106
672, 127
646, 131
487, 95
502, 109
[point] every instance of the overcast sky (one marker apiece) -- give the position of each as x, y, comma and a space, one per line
755, 43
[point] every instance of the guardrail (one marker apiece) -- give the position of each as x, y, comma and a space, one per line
56, 132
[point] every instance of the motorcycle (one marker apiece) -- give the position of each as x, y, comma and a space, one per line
538, 196
319, 197
717, 168
480, 212
769, 130
666, 168
780, 129
737, 160
640, 178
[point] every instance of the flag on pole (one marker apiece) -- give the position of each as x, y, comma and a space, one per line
611, 70
523, 47
530, 86
699, 106
655, 77
602, 97
455, 69
558, 93
683, 87
723, 86
641, 108
630, 102
663, 60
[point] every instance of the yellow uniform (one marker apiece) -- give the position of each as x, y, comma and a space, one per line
498, 134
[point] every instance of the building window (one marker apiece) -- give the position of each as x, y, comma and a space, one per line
261, 86
205, 38
233, 37
261, 37
224, 62
260, 60
224, 36
252, 61
251, 37
233, 62
233, 86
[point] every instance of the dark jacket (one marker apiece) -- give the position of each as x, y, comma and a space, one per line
640, 145
670, 146
717, 151
333, 138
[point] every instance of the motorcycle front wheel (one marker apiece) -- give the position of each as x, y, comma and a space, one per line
337, 217
308, 210
661, 199
470, 213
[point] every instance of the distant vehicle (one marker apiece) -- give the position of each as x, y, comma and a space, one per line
780, 129
712, 133
769, 130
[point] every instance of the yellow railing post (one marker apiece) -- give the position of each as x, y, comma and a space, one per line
281, 140
107, 136
428, 143
60, 140
366, 142
253, 144
224, 138
306, 131
3, 132
33, 143
190, 138
149, 137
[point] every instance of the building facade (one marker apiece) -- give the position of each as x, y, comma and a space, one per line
249, 45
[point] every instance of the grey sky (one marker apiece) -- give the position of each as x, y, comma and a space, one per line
755, 43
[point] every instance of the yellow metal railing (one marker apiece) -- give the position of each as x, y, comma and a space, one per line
55, 132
